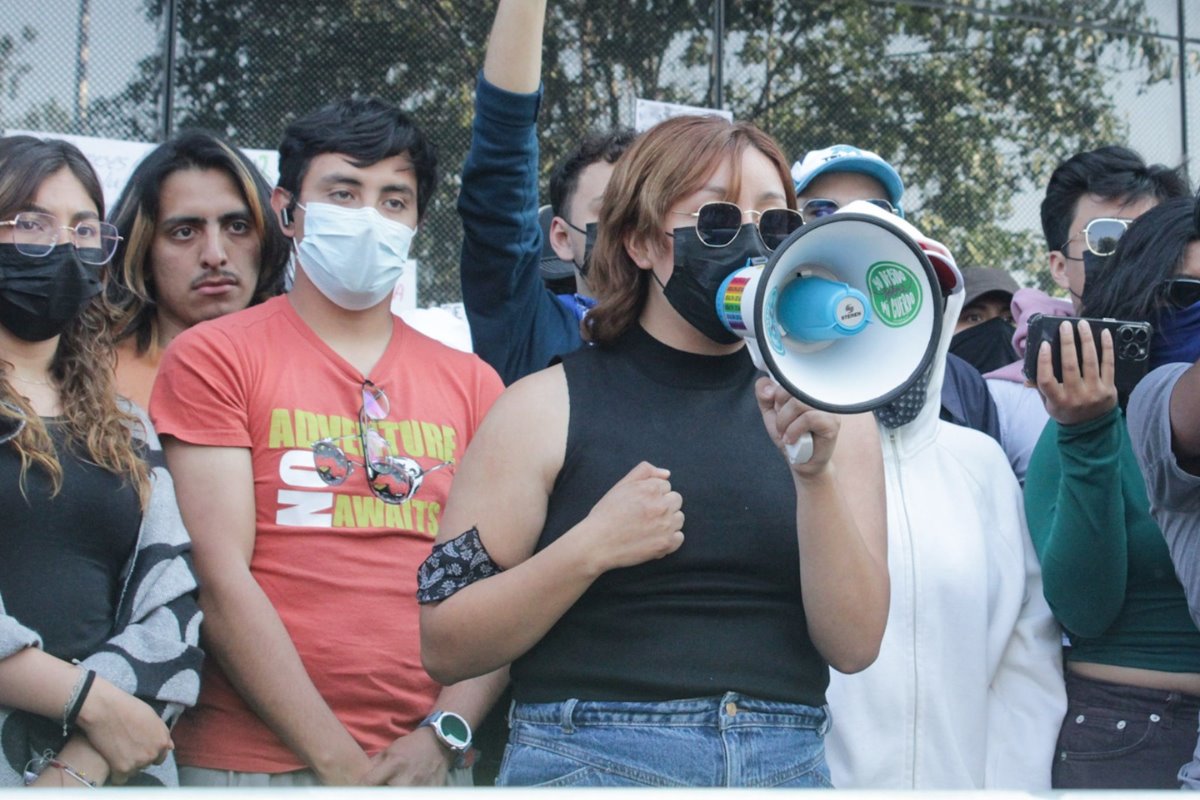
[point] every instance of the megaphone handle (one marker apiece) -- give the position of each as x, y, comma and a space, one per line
800, 452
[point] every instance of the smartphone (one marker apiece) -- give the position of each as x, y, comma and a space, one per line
1131, 348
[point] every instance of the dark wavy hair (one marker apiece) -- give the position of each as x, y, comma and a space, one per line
131, 288
665, 164
1130, 283
595, 148
82, 367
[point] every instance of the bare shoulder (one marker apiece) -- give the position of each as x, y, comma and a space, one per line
509, 469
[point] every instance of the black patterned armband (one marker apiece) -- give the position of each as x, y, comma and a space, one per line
453, 565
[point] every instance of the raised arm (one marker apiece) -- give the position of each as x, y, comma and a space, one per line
517, 325
242, 630
514, 55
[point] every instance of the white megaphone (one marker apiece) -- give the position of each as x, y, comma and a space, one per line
846, 314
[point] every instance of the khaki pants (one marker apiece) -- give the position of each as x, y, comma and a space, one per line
199, 776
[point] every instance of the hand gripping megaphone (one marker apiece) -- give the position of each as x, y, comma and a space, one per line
847, 312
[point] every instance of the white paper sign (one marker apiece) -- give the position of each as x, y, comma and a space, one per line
648, 113
115, 159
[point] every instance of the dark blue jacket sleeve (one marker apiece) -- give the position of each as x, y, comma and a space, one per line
966, 400
517, 325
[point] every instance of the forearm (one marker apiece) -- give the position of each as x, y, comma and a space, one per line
244, 633
1077, 521
32, 680
491, 622
844, 583
79, 754
514, 54
473, 698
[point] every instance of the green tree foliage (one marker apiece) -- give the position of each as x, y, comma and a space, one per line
973, 100
12, 68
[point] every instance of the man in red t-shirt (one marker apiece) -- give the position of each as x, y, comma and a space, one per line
307, 437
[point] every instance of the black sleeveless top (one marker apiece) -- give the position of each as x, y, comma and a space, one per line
62, 556
722, 613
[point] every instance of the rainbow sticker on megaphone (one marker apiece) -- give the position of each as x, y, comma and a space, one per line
895, 293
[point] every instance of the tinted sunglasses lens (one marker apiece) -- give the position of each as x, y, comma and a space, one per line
717, 223
1180, 293
394, 486
332, 465
375, 402
379, 454
815, 209
777, 224
884, 204
1102, 235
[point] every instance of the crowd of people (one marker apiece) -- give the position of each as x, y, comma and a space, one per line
259, 531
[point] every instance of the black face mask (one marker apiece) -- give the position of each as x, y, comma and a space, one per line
41, 295
986, 346
589, 241
699, 272
1093, 265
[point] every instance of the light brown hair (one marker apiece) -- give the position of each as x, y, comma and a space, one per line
669, 162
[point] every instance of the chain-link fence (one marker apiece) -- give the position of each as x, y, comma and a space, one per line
974, 101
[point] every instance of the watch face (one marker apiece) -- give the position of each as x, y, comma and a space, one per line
455, 730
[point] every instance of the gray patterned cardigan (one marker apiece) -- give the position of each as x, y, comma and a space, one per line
153, 652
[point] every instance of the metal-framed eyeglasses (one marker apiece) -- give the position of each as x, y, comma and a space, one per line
819, 207
36, 233
1100, 236
718, 223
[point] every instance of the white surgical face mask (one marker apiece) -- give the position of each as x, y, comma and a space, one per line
354, 256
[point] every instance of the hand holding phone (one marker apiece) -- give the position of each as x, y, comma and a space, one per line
1085, 366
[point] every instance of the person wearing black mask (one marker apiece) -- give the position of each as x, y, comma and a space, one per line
984, 332
98, 617
607, 596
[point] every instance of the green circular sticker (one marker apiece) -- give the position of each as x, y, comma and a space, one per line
895, 293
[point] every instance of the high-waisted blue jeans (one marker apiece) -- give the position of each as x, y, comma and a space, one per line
732, 740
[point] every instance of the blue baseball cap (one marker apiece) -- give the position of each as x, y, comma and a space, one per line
847, 158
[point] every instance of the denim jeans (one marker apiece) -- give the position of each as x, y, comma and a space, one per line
732, 740
1123, 737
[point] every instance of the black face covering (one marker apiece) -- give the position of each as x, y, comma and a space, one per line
41, 295
986, 346
699, 272
1093, 265
589, 241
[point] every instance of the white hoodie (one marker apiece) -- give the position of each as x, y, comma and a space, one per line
967, 692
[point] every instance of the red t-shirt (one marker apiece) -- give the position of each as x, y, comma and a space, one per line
338, 564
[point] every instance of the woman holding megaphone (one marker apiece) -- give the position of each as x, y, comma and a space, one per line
670, 589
